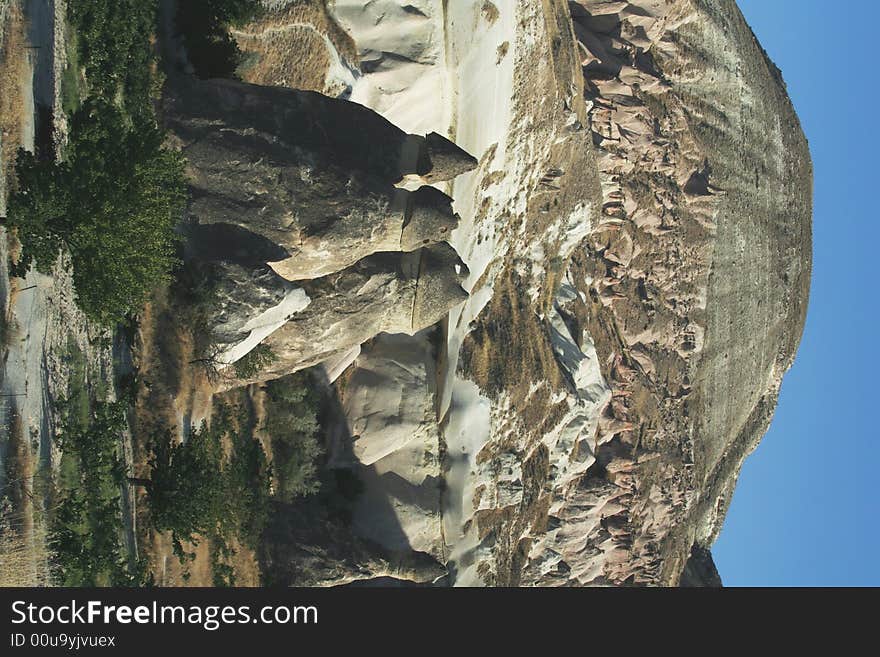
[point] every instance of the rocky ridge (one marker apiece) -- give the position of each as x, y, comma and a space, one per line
553, 357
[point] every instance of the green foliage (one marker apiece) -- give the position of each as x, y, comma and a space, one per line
223, 573
4, 330
193, 299
186, 493
70, 82
195, 489
293, 427
38, 211
113, 204
253, 362
86, 535
248, 484
113, 42
204, 25
115, 199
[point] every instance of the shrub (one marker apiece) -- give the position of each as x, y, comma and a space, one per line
253, 362
248, 481
186, 489
115, 199
113, 43
87, 526
23, 556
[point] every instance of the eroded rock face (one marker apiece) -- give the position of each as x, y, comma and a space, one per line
515, 428
349, 134
306, 547
591, 360
249, 304
313, 175
382, 425
384, 292
700, 571
701, 263
295, 201
392, 443
687, 271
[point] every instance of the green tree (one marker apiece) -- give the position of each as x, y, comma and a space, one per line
253, 362
292, 424
195, 490
113, 40
113, 203
86, 535
249, 484
186, 489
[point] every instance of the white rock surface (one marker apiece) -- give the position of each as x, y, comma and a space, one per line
394, 443
462, 69
383, 402
265, 324
402, 50
336, 365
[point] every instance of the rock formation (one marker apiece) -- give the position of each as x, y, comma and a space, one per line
308, 548
291, 186
385, 292
701, 263
554, 359
700, 571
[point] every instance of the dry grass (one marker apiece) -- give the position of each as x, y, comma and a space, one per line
509, 348
287, 48
13, 82
169, 571
174, 390
24, 552
24, 555
502, 51
24, 558
296, 58
174, 385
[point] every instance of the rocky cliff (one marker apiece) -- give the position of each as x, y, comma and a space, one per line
292, 186
557, 255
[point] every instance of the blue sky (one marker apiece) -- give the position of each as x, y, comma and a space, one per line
805, 511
